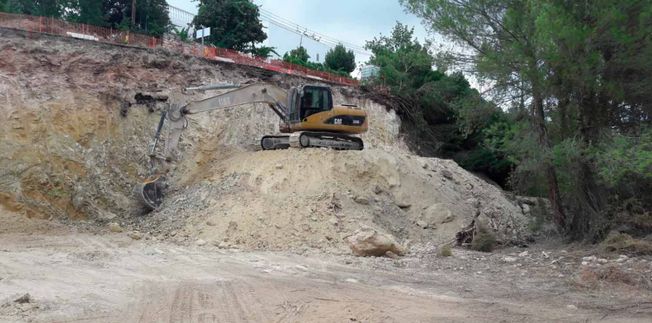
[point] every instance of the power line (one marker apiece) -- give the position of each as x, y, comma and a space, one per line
183, 17
317, 38
298, 29
287, 21
303, 31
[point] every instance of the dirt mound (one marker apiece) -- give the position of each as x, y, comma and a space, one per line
293, 199
77, 136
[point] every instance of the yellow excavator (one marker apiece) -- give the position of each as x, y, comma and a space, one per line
308, 118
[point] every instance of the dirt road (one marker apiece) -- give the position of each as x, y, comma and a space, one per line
82, 277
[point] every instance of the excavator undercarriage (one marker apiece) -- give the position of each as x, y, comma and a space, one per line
311, 139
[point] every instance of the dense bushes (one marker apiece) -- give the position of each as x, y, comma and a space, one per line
443, 115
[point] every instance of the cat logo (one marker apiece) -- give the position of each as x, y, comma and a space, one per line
337, 121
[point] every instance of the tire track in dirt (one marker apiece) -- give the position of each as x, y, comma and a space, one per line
198, 301
143, 281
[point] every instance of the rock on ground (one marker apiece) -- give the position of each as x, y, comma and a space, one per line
369, 242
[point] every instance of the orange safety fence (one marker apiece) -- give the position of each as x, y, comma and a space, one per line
108, 35
70, 29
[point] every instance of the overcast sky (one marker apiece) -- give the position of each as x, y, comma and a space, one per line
351, 21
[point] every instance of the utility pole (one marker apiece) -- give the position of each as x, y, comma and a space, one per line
133, 13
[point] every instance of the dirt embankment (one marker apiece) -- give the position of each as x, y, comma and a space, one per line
76, 142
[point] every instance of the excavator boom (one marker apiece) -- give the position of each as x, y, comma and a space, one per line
272, 95
266, 93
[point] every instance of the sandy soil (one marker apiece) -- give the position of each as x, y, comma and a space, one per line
75, 276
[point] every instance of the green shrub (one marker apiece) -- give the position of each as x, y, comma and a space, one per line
445, 251
624, 157
183, 34
622, 242
483, 240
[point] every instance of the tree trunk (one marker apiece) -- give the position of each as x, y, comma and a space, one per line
590, 201
539, 122
564, 128
133, 13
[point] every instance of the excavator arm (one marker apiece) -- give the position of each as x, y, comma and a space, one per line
272, 95
275, 97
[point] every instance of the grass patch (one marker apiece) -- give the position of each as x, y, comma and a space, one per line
483, 240
623, 242
56, 193
605, 277
536, 224
445, 251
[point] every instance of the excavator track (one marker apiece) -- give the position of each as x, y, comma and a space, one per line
332, 140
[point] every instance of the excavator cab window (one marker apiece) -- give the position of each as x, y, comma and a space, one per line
315, 99
295, 101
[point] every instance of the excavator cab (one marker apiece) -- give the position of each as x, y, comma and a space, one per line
308, 100
311, 108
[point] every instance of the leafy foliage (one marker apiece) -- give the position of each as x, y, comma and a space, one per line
339, 59
622, 157
298, 55
46, 8
445, 251
151, 16
483, 240
183, 34
405, 64
447, 116
263, 51
235, 24
577, 78
86, 12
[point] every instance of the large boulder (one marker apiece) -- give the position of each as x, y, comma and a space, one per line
369, 242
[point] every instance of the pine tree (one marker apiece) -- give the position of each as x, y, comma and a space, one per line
339, 59
298, 55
